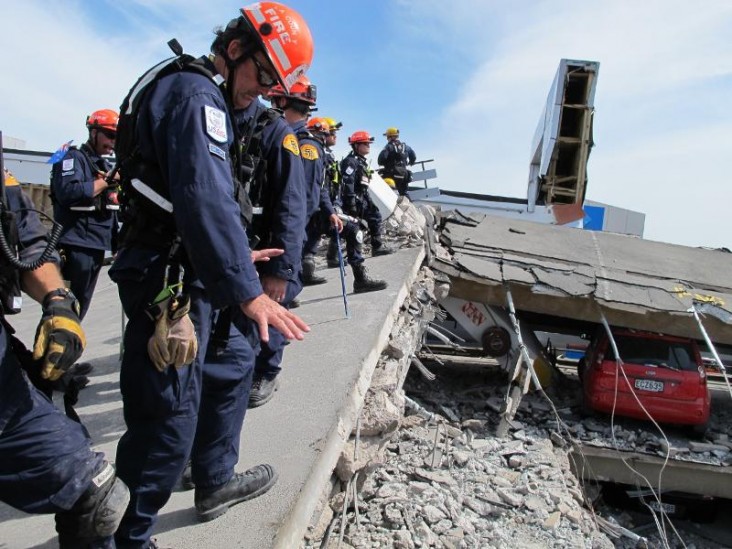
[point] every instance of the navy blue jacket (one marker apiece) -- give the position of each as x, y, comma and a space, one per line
314, 158
396, 153
72, 185
355, 174
286, 193
184, 128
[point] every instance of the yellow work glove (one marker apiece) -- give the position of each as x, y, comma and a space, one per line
173, 342
59, 337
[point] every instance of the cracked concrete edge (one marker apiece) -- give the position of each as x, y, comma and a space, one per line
292, 531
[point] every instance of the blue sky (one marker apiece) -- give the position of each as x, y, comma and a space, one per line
465, 81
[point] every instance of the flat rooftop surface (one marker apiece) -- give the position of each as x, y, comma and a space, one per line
300, 431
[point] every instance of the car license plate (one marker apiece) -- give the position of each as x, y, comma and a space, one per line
665, 507
649, 385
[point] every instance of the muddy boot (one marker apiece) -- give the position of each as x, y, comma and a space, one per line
309, 278
363, 283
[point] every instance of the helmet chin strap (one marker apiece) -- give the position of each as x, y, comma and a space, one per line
231, 67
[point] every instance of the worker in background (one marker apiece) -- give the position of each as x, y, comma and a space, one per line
356, 204
395, 157
296, 106
46, 461
332, 182
356, 175
85, 204
280, 191
325, 219
184, 234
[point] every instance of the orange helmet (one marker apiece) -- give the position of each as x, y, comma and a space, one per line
360, 136
318, 125
105, 119
303, 90
285, 38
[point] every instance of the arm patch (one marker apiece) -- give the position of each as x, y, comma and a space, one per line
289, 143
309, 152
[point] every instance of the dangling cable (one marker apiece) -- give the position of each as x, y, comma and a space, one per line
693, 311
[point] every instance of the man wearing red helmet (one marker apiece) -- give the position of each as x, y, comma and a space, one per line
85, 207
355, 201
185, 232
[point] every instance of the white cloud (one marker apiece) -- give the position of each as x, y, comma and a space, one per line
661, 148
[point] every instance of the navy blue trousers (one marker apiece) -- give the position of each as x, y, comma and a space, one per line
165, 411
81, 268
46, 461
227, 380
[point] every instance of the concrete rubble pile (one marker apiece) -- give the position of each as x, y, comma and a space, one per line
635, 436
449, 482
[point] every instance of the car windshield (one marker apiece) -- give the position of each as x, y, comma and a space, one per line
655, 352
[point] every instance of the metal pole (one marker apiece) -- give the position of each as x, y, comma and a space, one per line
342, 270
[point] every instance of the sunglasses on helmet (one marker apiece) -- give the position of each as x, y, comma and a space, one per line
264, 77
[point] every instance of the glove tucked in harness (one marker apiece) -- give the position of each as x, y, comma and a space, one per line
173, 342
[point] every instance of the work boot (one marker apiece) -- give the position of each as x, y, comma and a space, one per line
214, 502
363, 283
309, 278
263, 389
186, 479
381, 249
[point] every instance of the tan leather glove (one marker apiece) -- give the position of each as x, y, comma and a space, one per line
173, 342
59, 337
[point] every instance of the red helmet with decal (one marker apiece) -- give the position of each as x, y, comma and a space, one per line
104, 119
303, 90
285, 38
360, 136
318, 125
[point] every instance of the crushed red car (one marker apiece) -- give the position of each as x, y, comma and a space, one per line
664, 372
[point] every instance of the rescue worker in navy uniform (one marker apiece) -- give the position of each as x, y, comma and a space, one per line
288, 134
85, 205
296, 106
179, 179
395, 157
46, 461
355, 207
332, 182
355, 174
325, 219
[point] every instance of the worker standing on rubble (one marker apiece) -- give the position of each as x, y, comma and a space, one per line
46, 461
184, 235
355, 203
395, 157
85, 204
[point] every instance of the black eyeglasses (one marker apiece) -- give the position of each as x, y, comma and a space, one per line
264, 77
109, 134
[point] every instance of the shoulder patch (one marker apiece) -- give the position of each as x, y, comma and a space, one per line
309, 152
349, 170
290, 143
215, 124
67, 165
